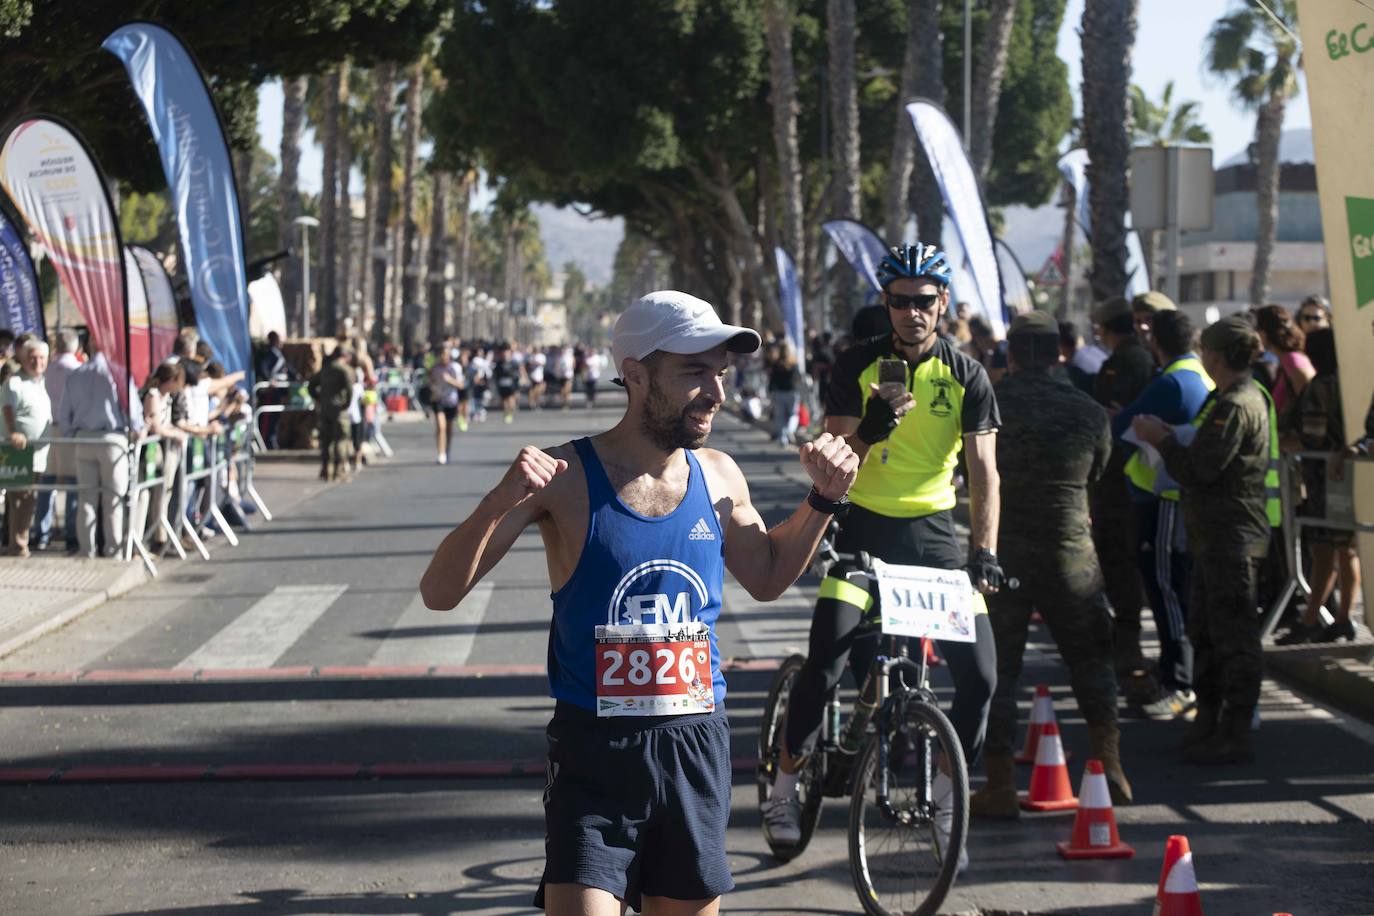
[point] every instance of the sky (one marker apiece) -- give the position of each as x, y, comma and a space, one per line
1170, 38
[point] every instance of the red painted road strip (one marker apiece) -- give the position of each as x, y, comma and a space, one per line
280, 772
303, 673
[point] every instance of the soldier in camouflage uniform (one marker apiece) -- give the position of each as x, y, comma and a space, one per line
332, 390
1054, 442
1122, 378
1225, 506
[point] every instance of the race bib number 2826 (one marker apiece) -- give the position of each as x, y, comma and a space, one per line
654, 670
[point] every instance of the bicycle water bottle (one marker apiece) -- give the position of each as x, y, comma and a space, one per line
853, 737
832, 712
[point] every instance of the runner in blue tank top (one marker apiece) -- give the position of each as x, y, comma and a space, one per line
639, 524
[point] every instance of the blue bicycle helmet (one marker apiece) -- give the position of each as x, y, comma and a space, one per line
913, 261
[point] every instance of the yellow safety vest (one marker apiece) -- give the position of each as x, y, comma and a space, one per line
1273, 490
1140, 473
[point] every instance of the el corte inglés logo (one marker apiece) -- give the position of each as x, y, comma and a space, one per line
1359, 216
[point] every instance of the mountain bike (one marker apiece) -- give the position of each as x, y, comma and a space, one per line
885, 756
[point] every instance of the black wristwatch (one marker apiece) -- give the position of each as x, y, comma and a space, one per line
838, 507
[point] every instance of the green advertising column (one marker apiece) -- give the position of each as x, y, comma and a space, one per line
1338, 56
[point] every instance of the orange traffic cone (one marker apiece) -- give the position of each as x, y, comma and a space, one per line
1042, 714
928, 648
1178, 894
1094, 829
1049, 785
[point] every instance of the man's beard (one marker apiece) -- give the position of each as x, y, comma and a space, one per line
916, 342
665, 428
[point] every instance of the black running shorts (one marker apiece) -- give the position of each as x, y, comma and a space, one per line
638, 806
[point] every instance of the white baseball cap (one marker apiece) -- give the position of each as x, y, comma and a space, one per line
675, 322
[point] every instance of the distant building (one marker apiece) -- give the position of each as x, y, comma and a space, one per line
1215, 265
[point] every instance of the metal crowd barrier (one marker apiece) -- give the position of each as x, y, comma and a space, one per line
260, 445
1340, 516
218, 459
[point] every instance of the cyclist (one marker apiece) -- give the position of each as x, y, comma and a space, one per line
639, 523
909, 439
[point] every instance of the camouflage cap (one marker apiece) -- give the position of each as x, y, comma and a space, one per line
1153, 301
1228, 331
1033, 323
1111, 309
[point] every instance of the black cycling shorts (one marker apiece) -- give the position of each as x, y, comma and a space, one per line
638, 806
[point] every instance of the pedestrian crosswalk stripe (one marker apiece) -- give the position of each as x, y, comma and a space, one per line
422, 636
263, 633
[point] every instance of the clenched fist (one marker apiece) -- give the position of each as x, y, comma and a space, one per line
831, 464
531, 472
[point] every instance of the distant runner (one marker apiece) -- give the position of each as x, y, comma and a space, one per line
639, 523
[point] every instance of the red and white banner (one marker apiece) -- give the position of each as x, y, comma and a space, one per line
162, 303
55, 184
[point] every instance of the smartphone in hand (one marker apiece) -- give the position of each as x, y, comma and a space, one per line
891, 378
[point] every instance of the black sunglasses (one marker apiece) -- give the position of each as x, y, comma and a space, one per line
1310, 316
923, 302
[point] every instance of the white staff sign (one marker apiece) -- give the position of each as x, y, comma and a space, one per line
919, 601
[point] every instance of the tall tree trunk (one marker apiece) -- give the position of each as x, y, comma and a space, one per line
783, 97
1066, 249
844, 106
926, 199
743, 240
383, 100
1269, 129
1108, 32
903, 139
394, 286
288, 191
439, 258
325, 321
410, 292
987, 82
464, 250
343, 215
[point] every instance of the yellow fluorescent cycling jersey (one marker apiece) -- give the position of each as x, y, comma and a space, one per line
911, 473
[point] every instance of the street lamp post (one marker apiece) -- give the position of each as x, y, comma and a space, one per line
306, 223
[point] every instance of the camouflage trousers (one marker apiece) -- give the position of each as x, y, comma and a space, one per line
1067, 591
1115, 539
335, 443
1224, 626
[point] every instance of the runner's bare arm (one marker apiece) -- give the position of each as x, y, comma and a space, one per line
767, 562
470, 551
984, 488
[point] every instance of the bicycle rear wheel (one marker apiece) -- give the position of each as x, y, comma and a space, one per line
895, 858
770, 752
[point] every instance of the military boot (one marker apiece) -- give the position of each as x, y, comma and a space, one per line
1106, 746
1230, 743
1203, 726
997, 799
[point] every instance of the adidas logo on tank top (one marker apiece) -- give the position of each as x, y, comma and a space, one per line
701, 532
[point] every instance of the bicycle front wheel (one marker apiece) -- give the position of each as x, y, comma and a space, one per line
904, 847
770, 752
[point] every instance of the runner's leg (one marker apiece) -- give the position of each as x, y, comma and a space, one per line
580, 900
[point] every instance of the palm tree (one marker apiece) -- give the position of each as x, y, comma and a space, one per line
844, 106
1262, 58
329, 131
1108, 36
987, 83
383, 100
343, 218
409, 258
922, 62
288, 184
439, 256
1164, 124
783, 98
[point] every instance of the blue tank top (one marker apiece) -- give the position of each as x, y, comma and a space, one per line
635, 569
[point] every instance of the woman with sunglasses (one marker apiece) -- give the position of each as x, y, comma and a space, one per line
1314, 314
1284, 341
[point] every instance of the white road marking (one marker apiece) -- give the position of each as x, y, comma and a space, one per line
263, 633
422, 636
771, 629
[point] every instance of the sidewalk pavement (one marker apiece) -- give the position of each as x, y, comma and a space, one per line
47, 591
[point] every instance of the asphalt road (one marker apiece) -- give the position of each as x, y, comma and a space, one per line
358, 674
